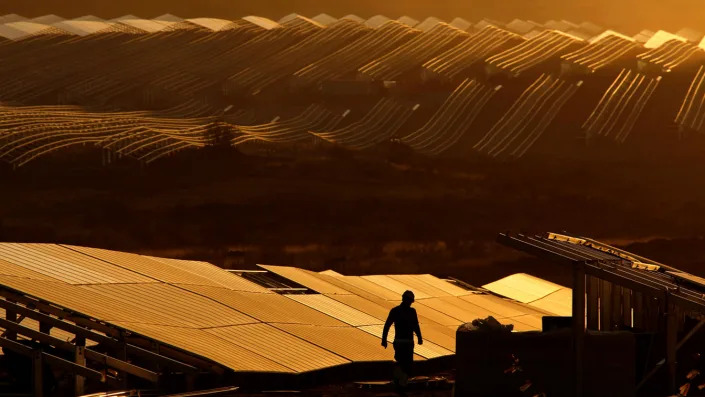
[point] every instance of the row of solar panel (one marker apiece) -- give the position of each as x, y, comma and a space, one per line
263, 61
91, 24
224, 317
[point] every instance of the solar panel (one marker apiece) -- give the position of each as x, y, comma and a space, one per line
182, 308
157, 270
269, 308
394, 285
559, 303
11, 269
360, 286
379, 309
210, 313
305, 278
336, 309
82, 300
503, 307
42, 259
454, 309
215, 274
279, 346
351, 343
209, 345
413, 283
443, 285
522, 287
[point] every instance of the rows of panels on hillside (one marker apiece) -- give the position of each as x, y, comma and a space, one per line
230, 318
146, 89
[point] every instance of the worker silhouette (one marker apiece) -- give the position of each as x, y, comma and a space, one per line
406, 323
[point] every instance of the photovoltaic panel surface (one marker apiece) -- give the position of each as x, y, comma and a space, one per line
446, 286
359, 286
209, 345
215, 274
522, 287
305, 278
183, 308
336, 309
279, 346
62, 265
269, 308
351, 343
395, 285
157, 270
221, 316
559, 303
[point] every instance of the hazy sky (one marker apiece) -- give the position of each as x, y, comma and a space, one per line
628, 15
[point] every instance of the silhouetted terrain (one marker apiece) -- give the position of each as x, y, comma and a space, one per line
387, 212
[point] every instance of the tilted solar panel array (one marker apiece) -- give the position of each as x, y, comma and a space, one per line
470, 51
378, 125
291, 130
29, 133
223, 317
621, 105
692, 111
351, 57
530, 53
146, 89
519, 129
602, 51
412, 54
452, 119
288, 61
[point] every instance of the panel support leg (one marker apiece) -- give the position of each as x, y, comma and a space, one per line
37, 374
80, 359
578, 326
671, 346
10, 316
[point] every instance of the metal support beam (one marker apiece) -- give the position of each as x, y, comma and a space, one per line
627, 307
613, 277
593, 302
11, 316
121, 354
639, 322
82, 321
94, 336
657, 302
37, 373
578, 325
90, 354
80, 359
122, 366
534, 249
680, 344
27, 351
671, 346
616, 314
690, 334
73, 368
195, 362
605, 305
45, 327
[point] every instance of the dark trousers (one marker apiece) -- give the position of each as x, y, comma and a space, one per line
404, 356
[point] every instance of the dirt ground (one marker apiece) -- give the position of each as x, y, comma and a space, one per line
384, 212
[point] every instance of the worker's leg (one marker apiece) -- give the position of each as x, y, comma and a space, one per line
404, 356
407, 358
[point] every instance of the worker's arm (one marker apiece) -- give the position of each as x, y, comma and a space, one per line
417, 328
387, 324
